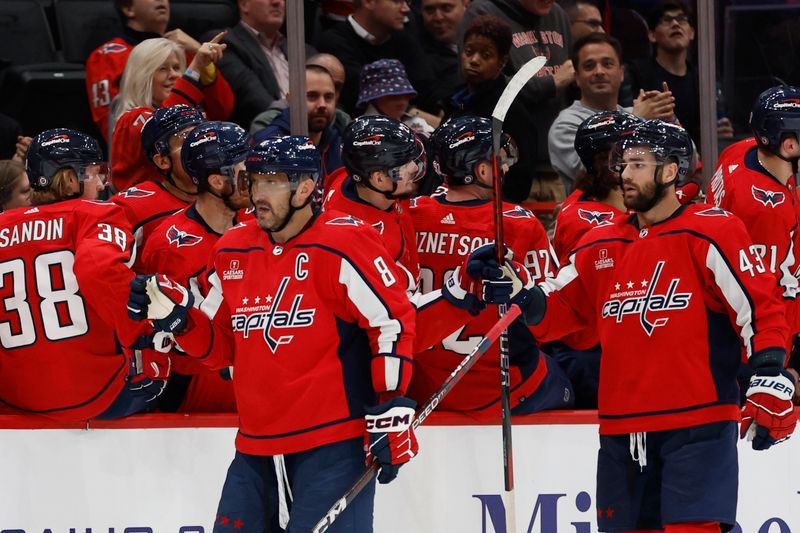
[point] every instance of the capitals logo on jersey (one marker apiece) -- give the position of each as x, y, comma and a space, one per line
713, 212
182, 238
268, 317
349, 220
113, 48
768, 198
518, 212
133, 192
634, 298
597, 218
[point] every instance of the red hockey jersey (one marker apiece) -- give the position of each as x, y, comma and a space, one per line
436, 317
674, 304
446, 234
129, 165
771, 212
180, 248
575, 218
314, 327
64, 283
145, 206
104, 69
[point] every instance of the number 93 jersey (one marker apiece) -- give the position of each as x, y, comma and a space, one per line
64, 279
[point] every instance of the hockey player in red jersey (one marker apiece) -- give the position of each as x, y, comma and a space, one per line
156, 77
383, 164
147, 204
64, 277
677, 292
308, 309
596, 202
181, 247
755, 181
448, 228
598, 196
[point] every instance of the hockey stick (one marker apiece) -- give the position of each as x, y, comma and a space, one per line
454, 377
511, 91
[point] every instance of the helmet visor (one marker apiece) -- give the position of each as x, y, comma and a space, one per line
627, 154
99, 171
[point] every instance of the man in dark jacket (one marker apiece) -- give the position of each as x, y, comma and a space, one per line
255, 62
376, 30
321, 101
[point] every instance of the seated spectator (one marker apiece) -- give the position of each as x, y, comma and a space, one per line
332, 64
9, 136
156, 76
141, 19
671, 34
484, 55
376, 31
336, 69
384, 89
256, 61
584, 17
15, 188
439, 37
321, 106
599, 74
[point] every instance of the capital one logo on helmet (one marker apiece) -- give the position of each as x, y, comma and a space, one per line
268, 316
206, 137
58, 139
372, 140
464, 138
607, 122
789, 103
642, 301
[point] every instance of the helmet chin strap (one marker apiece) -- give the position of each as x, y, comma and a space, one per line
388, 194
168, 177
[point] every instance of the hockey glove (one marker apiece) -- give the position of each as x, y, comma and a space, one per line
523, 292
149, 371
390, 438
478, 281
768, 416
162, 301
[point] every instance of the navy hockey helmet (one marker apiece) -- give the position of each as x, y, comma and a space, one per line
664, 140
600, 132
776, 111
213, 148
293, 155
52, 150
165, 122
461, 143
377, 142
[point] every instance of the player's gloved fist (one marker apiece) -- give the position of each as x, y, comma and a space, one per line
469, 287
167, 303
137, 299
390, 437
768, 416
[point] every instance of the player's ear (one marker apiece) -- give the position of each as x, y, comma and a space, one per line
669, 172
163, 162
304, 189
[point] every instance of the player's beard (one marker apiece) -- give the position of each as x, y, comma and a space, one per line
645, 197
275, 219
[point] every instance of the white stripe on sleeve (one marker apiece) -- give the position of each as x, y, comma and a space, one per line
213, 300
733, 293
370, 307
565, 276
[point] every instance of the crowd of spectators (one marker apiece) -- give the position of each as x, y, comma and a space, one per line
420, 62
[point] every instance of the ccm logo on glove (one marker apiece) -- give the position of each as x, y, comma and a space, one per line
395, 419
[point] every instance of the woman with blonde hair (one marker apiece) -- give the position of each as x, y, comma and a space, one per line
15, 189
156, 76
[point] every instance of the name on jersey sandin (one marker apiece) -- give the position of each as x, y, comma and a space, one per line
641, 301
268, 316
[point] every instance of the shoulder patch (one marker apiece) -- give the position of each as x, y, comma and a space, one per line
113, 48
713, 212
349, 220
134, 192
182, 238
768, 198
596, 218
379, 226
518, 212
